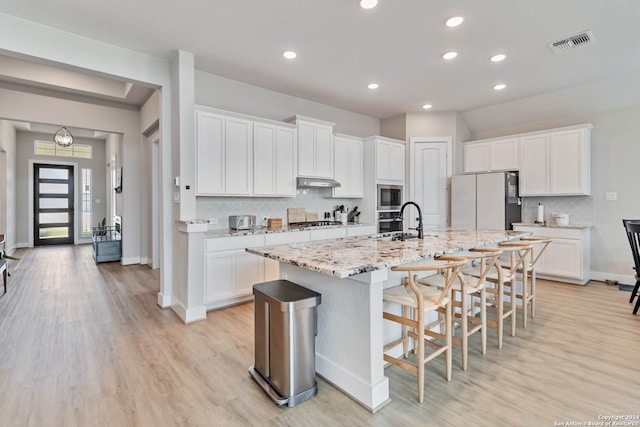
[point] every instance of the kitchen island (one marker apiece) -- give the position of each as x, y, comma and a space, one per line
351, 274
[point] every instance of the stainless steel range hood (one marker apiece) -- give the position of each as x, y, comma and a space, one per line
317, 183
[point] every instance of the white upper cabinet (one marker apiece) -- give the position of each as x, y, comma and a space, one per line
505, 154
348, 166
239, 156
315, 147
224, 150
570, 162
274, 160
554, 162
210, 153
557, 163
495, 155
476, 157
534, 171
390, 159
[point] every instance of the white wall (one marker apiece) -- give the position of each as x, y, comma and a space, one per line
615, 149
219, 92
8, 205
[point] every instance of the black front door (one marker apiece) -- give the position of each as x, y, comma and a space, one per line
53, 204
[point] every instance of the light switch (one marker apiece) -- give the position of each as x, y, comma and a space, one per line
611, 195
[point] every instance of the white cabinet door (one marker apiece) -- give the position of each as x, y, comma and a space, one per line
348, 166
264, 165
249, 270
389, 161
219, 275
534, 166
238, 156
505, 154
274, 160
285, 166
563, 257
306, 148
315, 149
324, 151
210, 153
570, 162
476, 157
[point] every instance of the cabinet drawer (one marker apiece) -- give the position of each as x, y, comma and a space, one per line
232, 243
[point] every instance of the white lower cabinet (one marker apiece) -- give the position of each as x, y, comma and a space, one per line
568, 256
230, 272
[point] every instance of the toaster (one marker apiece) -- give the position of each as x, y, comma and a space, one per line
242, 222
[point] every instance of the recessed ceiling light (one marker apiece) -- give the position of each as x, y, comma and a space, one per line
454, 21
427, 106
289, 54
373, 86
500, 86
368, 4
499, 57
450, 55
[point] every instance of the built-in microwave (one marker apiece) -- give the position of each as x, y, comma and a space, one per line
389, 197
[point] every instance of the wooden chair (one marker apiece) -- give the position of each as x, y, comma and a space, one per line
528, 294
467, 290
632, 226
415, 301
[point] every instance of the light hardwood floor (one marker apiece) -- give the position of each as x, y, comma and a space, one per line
86, 345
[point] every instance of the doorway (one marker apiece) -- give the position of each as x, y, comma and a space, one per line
53, 204
431, 168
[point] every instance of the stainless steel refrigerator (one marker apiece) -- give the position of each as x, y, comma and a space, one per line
487, 201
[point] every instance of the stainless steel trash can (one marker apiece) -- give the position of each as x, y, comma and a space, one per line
285, 331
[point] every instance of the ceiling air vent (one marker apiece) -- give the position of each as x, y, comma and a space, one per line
580, 39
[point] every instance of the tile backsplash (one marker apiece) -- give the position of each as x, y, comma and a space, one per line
312, 199
581, 209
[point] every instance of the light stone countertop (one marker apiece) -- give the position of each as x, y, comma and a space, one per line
572, 226
225, 232
350, 256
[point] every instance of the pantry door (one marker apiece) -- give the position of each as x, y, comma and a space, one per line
430, 172
53, 204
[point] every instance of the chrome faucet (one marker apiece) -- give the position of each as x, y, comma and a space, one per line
419, 228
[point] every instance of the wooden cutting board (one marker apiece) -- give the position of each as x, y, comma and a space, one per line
296, 215
312, 216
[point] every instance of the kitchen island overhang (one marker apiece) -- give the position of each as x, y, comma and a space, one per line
351, 274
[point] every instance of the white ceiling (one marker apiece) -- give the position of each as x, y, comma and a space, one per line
341, 47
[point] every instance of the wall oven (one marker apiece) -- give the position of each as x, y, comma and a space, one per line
389, 221
389, 197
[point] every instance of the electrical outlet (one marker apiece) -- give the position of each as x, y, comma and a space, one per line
213, 221
612, 195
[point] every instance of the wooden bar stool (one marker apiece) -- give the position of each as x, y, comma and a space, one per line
501, 283
528, 296
415, 301
467, 289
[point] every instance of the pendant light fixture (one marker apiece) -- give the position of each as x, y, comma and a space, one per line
63, 137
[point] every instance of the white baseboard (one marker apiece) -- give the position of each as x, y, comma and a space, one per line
623, 279
144, 261
130, 260
371, 396
21, 245
164, 301
189, 315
